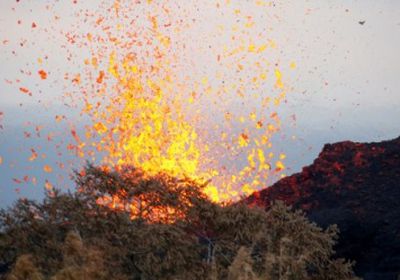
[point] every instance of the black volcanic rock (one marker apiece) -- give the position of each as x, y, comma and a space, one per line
357, 187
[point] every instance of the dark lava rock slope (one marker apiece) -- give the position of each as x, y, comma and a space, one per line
357, 187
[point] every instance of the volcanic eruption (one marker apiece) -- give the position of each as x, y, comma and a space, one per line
145, 98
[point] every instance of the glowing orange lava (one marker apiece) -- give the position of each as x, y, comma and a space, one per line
165, 97
143, 115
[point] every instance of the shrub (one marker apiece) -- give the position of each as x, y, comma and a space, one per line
25, 269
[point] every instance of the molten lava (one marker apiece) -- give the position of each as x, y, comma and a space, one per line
166, 98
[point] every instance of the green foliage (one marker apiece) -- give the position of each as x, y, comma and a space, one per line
160, 228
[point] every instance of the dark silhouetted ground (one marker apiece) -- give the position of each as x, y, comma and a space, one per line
357, 187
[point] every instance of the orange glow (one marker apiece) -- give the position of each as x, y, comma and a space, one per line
155, 93
143, 116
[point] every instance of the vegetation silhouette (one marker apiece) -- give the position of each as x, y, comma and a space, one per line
123, 224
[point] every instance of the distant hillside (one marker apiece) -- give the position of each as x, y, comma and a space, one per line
357, 187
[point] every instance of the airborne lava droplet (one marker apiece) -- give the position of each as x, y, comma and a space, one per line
43, 74
99, 79
48, 186
25, 91
47, 169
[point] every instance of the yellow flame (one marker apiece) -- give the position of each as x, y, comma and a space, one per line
143, 117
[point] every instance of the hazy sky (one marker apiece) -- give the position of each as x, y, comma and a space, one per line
345, 87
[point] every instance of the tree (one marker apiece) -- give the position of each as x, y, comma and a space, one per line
124, 224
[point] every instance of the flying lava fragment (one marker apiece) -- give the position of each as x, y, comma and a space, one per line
155, 93
43, 74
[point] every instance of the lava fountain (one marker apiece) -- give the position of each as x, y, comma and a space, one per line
164, 96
